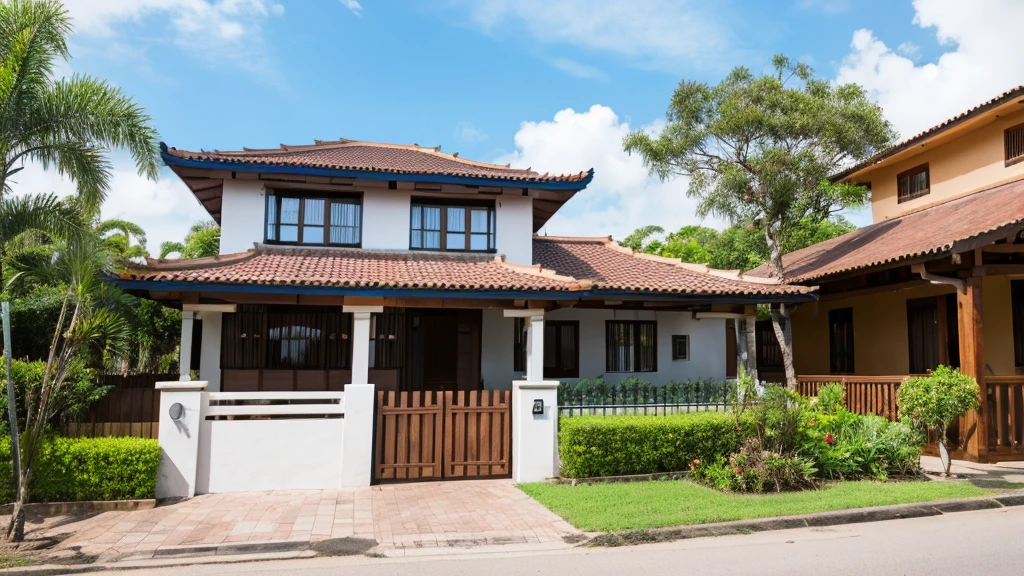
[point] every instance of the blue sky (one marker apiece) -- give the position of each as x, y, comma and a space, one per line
552, 84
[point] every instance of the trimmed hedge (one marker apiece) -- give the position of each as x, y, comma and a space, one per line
77, 469
591, 446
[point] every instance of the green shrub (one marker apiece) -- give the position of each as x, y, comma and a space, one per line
754, 469
830, 397
592, 446
939, 399
76, 469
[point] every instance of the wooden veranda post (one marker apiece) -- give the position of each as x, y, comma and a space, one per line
972, 363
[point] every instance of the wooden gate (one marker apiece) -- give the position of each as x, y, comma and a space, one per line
433, 435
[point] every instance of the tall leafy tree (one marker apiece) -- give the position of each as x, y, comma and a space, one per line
203, 239
126, 239
758, 149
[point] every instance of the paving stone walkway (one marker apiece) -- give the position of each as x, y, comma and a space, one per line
399, 517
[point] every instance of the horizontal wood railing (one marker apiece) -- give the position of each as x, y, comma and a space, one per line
864, 394
130, 408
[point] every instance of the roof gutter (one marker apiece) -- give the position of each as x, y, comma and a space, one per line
577, 185
959, 284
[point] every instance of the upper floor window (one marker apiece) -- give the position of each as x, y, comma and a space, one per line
1014, 141
913, 183
460, 227
335, 221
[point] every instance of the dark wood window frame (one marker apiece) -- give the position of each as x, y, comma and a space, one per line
841, 357
276, 196
519, 344
1013, 145
418, 203
559, 371
638, 347
680, 341
903, 180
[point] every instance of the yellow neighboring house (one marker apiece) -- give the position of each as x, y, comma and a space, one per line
938, 278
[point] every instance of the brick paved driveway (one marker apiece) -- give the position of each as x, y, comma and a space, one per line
398, 517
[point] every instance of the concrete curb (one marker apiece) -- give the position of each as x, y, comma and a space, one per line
85, 507
833, 518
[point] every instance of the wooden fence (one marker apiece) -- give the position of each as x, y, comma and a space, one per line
864, 394
130, 408
1006, 421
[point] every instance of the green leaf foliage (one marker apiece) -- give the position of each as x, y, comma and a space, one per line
591, 446
78, 469
937, 400
759, 149
202, 240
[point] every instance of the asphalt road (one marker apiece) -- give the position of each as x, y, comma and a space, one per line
987, 542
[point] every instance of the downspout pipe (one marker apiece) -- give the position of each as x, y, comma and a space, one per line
919, 269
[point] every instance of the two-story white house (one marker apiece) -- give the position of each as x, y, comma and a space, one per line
412, 269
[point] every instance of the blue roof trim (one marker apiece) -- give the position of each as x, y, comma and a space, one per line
371, 175
466, 294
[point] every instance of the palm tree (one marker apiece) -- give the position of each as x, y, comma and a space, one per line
67, 123
118, 235
89, 324
203, 239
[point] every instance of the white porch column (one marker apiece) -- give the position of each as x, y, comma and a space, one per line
356, 443
209, 355
185, 347
181, 408
361, 341
534, 341
750, 332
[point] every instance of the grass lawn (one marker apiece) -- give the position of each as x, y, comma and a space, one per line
13, 560
658, 504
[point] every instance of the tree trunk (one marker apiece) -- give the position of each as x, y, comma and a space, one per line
16, 529
784, 334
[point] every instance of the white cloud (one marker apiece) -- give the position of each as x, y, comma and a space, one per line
165, 209
622, 197
666, 34
574, 68
982, 60
910, 50
354, 6
217, 30
470, 133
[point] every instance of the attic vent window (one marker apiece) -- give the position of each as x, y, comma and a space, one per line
1013, 137
913, 183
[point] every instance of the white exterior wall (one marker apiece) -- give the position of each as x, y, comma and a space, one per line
241, 221
707, 346
386, 215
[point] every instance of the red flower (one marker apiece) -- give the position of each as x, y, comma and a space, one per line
738, 470
829, 439
695, 463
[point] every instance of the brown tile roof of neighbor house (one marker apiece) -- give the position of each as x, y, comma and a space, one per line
362, 156
563, 264
921, 137
952, 227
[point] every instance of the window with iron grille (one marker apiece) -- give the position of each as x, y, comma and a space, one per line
840, 337
1013, 139
444, 225
299, 219
680, 347
913, 183
631, 346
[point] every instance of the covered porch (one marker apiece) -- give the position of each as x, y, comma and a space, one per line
944, 285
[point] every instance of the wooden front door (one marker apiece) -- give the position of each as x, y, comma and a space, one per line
429, 435
445, 348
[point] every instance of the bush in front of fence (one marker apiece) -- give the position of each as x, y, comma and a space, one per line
78, 469
592, 446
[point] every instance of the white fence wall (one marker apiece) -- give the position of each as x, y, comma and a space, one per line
271, 447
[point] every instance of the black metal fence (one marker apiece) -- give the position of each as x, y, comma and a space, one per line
634, 396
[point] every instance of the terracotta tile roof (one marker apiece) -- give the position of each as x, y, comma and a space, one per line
937, 231
563, 264
375, 157
1003, 98
609, 266
350, 268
